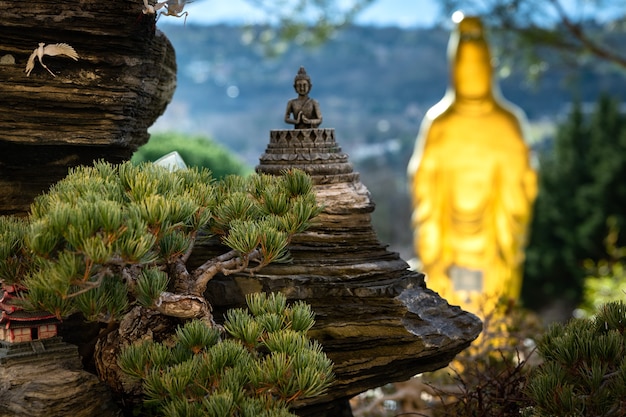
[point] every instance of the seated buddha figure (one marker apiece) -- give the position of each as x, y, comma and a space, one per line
303, 112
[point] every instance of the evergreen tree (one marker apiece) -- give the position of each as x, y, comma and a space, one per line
113, 241
580, 188
584, 368
264, 365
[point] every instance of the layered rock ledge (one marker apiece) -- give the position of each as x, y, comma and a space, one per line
45, 378
98, 107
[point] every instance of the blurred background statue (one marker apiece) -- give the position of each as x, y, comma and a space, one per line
471, 182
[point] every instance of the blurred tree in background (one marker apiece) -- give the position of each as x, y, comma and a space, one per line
577, 30
581, 186
305, 22
196, 151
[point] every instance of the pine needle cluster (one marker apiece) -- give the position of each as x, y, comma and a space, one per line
108, 237
260, 366
584, 369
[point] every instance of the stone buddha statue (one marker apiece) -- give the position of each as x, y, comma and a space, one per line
303, 112
471, 182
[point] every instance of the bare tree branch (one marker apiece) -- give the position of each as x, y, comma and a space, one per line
579, 33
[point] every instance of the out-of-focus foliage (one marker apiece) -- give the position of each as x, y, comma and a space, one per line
581, 185
196, 151
304, 22
606, 280
580, 31
577, 29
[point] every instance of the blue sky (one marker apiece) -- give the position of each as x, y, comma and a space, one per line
404, 13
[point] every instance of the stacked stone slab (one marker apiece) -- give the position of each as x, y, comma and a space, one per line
99, 107
45, 378
374, 316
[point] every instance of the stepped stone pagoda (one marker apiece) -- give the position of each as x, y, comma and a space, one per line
375, 317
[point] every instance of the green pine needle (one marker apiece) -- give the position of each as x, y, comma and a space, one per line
150, 284
261, 303
243, 236
196, 336
301, 316
297, 182
134, 360
240, 325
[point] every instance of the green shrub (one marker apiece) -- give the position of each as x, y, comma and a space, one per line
265, 363
196, 151
584, 368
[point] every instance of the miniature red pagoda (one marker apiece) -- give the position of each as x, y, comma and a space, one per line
19, 325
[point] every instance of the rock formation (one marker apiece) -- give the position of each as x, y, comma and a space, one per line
375, 317
45, 378
98, 107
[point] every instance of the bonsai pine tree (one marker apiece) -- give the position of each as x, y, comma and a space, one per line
112, 241
264, 365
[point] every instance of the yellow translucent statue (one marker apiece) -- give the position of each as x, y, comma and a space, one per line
471, 182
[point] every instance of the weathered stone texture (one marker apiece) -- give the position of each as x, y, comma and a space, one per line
50, 382
97, 107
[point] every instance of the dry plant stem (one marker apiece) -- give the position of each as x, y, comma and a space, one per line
90, 285
189, 251
182, 278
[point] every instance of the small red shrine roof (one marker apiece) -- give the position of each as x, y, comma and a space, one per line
15, 316
5, 301
27, 318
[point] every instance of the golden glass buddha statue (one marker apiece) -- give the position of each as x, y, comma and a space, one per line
471, 182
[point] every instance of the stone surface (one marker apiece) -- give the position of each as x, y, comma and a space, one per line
98, 107
45, 378
375, 317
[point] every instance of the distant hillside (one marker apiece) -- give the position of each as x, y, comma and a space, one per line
373, 84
